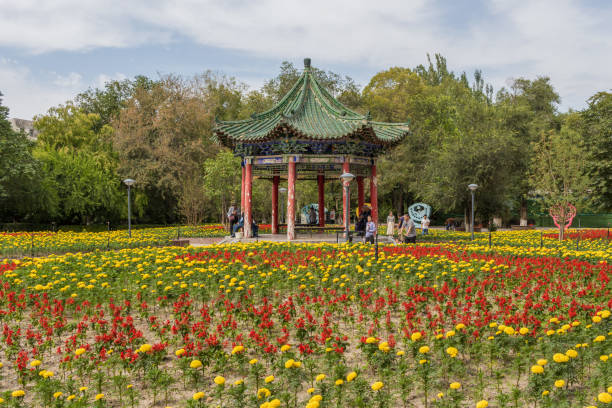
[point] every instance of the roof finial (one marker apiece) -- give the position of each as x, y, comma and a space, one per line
306, 63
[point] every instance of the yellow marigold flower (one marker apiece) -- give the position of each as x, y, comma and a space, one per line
99, 397
351, 376
542, 362
313, 404
219, 380
604, 397
571, 353
285, 347
384, 347
86, 388
424, 349
537, 369
263, 392
460, 326
70, 397
310, 390
253, 361
452, 351
545, 393
451, 333
377, 385
416, 336
559, 383
269, 379
371, 340
605, 314
482, 404
179, 352
238, 382
316, 397
275, 403
289, 363
455, 385
509, 330
339, 382
195, 364
596, 319
17, 393
522, 331
609, 389
550, 332
198, 395
560, 358
35, 363
603, 358
57, 394
79, 351
599, 339
237, 349
423, 361
145, 348
297, 364
320, 377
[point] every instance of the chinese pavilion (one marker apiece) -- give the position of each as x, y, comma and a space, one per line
307, 135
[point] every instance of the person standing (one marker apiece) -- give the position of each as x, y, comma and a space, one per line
370, 230
390, 223
408, 230
233, 219
425, 225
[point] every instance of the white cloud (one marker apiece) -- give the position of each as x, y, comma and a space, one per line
563, 39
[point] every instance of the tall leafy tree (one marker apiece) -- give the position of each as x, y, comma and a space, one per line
77, 156
598, 141
22, 187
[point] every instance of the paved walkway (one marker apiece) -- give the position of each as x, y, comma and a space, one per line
300, 238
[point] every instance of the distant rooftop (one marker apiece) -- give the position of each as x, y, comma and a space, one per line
25, 126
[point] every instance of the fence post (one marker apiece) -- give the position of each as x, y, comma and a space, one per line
489, 239
541, 238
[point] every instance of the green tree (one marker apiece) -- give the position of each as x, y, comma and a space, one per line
222, 181
22, 187
78, 160
558, 176
598, 138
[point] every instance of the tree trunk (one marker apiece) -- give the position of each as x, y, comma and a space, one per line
523, 213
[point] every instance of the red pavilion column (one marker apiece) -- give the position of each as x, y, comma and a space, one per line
291, 199
360, 193
248, 216
242, 189
275, 182
321, 185
345, 202
374, 194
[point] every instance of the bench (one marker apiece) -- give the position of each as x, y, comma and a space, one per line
522, 227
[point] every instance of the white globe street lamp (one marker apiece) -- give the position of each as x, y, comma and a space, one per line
129, 183
472, 188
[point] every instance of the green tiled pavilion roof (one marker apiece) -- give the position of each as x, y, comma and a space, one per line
309, 112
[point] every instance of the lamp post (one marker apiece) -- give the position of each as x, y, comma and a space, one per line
346, 181
282, 190
129, 183
472, 188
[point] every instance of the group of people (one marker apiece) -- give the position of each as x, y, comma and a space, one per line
406, 228
236, 221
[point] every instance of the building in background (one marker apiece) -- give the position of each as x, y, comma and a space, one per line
24, 125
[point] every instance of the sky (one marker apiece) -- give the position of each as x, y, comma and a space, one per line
52, 50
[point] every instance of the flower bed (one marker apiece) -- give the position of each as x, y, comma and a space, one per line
271, 324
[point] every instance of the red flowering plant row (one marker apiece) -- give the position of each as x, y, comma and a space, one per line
273, 324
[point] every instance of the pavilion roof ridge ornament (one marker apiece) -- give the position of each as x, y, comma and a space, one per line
309, 112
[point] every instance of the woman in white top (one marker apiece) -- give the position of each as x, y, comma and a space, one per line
390, 223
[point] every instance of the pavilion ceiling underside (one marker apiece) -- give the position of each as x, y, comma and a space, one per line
307, 171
